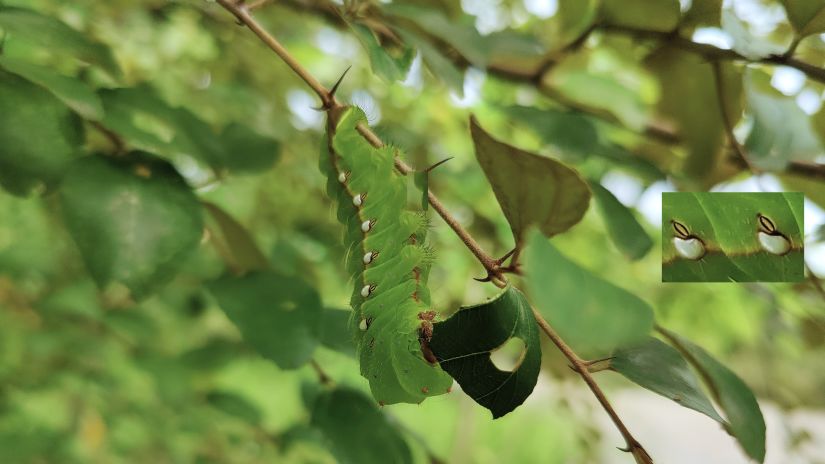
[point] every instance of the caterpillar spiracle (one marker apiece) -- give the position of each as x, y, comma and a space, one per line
388, 261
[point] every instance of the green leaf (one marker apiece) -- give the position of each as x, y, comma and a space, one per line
690, 102
72, 91
355, 430
570, 131
463, 344
749, 45
134, 219
39, 135
702, 13
659, 15
737, 401
531, 189
660, 368
246, 151
595, 321
781, 131
807, 16
440, 66
391, 64
625, 231
278, 316
147, 122
234, 405
55, 36
241, 251
728, 226
335, 331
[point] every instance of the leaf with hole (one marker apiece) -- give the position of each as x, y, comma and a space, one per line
133, 218
464, 343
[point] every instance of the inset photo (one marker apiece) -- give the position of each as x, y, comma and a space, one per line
732, 237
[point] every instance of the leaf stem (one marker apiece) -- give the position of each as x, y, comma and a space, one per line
581, 367
727, 121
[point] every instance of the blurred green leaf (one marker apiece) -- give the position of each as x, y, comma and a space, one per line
55, 36
659, 15
595, 321
234, 405
335, 331
660, 368
625, 231
278, 316
39, 135
234, 241
807, 16
569, 131
356, 431
440, 66
72, 91
391, 64
745, 419
749, 45
134, 219
703, 13
522, 183
464, 342
690, 101
781, 131
246, 151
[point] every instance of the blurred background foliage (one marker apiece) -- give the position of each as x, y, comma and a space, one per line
110, 362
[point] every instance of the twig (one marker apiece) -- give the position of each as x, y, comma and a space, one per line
727, 121
489, 263
581, 367
322, 375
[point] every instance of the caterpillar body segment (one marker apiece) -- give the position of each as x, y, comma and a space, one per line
387, 261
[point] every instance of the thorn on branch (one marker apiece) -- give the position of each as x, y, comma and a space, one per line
438, 164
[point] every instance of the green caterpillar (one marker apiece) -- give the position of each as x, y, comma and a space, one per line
388, 262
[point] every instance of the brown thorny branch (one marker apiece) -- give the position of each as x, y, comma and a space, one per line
534, 75
491, 265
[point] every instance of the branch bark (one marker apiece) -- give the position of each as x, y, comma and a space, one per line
490, 264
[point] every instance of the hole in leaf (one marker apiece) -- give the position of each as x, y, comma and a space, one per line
508, 357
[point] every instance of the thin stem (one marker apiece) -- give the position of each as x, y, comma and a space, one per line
322, 375
727, 121
580, 366
241, 12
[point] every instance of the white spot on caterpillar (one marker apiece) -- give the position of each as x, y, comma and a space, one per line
363, 325
365, 292
776, 244
342, 177
358, 200
367, 225
370, 256
691, 248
